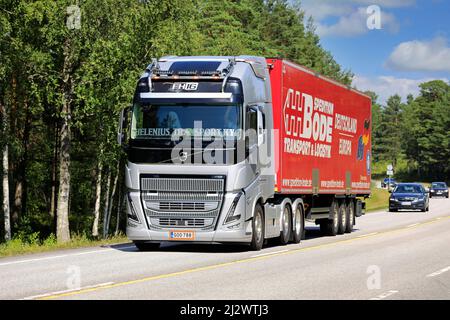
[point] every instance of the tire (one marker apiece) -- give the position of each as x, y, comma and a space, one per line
331, 226
350, 216
299, 231
342, 217
257, 229
146, 246
286, 226
392, 210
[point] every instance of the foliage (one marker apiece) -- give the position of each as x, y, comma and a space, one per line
415, 136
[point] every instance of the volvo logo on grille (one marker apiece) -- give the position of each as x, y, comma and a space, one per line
183, 156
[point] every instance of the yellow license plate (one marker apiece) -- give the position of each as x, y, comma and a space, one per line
181, 235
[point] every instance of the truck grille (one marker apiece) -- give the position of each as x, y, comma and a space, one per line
182, 202
182, 223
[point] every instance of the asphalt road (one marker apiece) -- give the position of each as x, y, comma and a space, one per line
402, 255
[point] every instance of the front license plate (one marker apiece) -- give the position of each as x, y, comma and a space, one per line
182, 235
406, 203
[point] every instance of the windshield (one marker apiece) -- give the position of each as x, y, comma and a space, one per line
163, 121
192, 133
439, 185
408, 189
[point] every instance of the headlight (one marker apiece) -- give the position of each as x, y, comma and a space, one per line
231, 216
132, 213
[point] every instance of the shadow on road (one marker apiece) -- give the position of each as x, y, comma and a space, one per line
311, 233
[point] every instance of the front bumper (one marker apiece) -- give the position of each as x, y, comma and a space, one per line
439, 194
240, 235
238, 231
415, 205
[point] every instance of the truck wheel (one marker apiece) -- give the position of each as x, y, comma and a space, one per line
299, 225
286, 225
146, 246
257, 229
332, 225
350, 212
342, 217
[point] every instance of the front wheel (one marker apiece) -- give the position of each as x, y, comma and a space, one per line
258, 229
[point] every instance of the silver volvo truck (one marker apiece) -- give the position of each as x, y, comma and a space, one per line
199, 141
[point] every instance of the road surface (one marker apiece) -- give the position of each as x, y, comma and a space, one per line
402, 255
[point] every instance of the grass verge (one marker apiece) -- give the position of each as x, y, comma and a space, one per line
20, 246
379, 200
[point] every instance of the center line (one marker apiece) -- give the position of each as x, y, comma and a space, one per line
385, 295
368, 235
67, 291
269, 253
413, 225
437, 273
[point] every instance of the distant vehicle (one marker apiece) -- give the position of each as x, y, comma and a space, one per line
411, 196
439, 189
388, 181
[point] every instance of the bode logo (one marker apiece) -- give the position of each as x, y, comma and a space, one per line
308, 124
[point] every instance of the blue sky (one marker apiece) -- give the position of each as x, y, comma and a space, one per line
412, 46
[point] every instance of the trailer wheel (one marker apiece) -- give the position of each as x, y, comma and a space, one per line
342, 217
258, 229
350, 216
331, 226
146, 246
299, 225
286, 225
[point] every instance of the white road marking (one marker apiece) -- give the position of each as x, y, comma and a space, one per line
368, 235
385, 295
62, 256
413, 225
269, 253
65, 291
437, 273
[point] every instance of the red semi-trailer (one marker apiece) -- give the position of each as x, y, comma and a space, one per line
243, 149
324, 144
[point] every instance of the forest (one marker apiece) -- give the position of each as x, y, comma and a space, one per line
63, 83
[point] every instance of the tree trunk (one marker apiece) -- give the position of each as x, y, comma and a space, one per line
5, 166
6, 195
98, 194
62, 208
54, 174
106, 209
111, 201
119, 208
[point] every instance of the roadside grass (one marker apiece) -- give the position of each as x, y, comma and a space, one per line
379, 200
32, 244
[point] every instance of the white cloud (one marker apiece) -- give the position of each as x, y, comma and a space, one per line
428, 56
355, 24
386, 86
351, 14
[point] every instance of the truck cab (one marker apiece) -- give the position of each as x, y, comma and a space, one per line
199, 149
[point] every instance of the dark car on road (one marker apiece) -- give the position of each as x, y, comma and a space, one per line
388, 182
439, 189
411, 196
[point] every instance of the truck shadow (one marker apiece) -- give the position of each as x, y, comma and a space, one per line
310, 234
